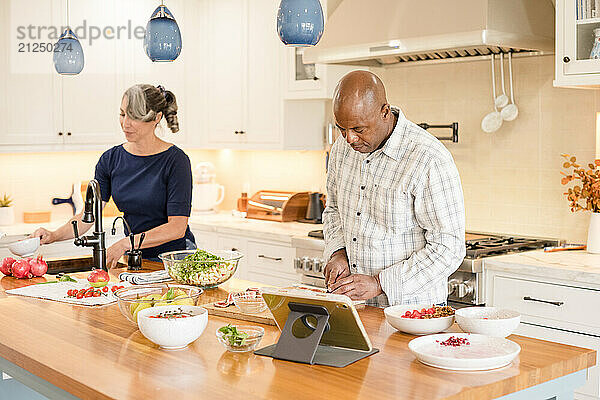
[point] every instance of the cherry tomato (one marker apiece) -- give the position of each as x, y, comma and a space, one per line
89, 294
79, 295
105, 289
97, 294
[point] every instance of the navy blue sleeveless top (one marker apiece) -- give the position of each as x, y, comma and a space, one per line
148, 189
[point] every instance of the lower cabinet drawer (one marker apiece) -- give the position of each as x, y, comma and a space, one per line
547, 301
271, 257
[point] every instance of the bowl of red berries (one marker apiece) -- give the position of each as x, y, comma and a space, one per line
420, 319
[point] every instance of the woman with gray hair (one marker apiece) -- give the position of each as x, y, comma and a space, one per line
149, 179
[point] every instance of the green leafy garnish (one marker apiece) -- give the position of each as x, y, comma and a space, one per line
66, 278
195, 265
231, 334
170, 294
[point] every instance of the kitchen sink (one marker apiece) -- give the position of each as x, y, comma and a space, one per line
74, 264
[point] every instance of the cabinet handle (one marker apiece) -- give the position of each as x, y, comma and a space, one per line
234, 249
68, 133
315, 78
270, 258
554, 303
242, 132
237, 132
566, 59
60, 133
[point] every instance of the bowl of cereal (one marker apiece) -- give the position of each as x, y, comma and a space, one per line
420, 319
200, 267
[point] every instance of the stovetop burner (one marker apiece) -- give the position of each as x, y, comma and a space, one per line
495, 245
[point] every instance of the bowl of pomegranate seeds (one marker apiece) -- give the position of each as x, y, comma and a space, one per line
420, 319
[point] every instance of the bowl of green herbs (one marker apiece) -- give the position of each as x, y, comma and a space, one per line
200, 267
240, 338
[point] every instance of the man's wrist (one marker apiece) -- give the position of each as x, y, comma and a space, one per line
378, 283
339, 253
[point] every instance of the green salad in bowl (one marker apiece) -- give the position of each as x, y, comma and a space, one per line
200, 267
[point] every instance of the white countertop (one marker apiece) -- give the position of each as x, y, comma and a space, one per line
225, 222
573, 265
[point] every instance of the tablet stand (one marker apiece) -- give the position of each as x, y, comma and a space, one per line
307, 350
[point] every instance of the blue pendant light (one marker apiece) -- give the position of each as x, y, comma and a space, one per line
163, 37
68, 55
300, 22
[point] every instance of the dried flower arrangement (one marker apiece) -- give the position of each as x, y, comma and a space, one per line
6, 201
588, 192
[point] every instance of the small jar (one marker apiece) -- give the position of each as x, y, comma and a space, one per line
595, 53
242, 203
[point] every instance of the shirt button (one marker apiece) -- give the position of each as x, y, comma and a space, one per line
354, 266
368, 161
362, 187
354, 239
358, 214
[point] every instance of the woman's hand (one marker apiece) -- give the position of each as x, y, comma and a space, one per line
114, 252
45, 235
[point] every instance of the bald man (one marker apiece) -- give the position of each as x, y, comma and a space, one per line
394, 221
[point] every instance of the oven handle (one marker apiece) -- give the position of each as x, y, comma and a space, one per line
554, 303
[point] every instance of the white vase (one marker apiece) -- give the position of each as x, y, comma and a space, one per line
7, 216
593, 240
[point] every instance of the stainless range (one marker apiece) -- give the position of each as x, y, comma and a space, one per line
466, 286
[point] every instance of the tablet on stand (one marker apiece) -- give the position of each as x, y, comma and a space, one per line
316, 328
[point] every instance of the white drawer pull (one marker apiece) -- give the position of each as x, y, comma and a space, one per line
554, 303
270, 258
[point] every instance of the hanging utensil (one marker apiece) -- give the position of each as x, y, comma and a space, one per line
492, 121
511, 111
502, 99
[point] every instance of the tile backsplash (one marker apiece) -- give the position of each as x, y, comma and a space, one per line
511, 178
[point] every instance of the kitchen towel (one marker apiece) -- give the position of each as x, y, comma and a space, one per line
145, 278
58, 292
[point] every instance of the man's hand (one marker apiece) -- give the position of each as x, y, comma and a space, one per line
114, 253
337, 267
357, 287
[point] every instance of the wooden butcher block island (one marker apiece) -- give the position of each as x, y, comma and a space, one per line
96, 353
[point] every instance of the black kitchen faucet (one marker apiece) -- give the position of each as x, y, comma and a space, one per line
93, 213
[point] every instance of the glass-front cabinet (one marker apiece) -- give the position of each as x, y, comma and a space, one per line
577, 43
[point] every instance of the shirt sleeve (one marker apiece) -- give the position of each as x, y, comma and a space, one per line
179, 187
102, 175
439, 210
332, 223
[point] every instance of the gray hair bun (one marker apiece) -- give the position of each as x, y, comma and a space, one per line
144, 102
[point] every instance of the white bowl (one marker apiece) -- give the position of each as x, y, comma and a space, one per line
490, 321
25, 247
172, 333
393, 315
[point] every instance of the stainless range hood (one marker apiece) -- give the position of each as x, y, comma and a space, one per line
382, 32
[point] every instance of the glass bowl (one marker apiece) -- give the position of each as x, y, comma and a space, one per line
249, 302
255, 334
136, 298
206, 274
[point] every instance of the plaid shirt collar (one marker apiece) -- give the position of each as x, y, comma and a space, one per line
394, 148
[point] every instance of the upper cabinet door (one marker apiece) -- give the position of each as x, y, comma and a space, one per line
29, 94
226, 73
92, 98
265, 56
575, 66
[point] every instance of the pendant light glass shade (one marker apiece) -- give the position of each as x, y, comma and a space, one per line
300, 22
68, 54
163, 38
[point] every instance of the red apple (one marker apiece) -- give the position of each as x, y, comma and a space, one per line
98, 278
6, 266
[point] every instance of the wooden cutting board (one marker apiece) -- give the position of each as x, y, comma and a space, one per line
264, 317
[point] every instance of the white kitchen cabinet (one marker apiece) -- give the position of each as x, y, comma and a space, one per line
29, 92
559, 311
205, 239
271, 263
308, 80
574, 41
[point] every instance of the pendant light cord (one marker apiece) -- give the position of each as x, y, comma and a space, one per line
68, 22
